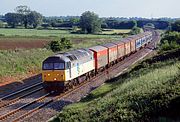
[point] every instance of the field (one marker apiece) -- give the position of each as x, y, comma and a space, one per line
33, 38
50, 33
25, 43
116, 31
149, 92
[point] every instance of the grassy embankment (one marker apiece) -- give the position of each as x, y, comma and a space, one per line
149, 92
16, 62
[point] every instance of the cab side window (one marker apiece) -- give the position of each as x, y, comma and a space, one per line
68, 66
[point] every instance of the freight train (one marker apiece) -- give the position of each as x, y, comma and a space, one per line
65, 70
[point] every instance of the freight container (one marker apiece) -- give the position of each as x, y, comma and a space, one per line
121, 49
138, 41
127, 45
100, 56
133, 44
112, 52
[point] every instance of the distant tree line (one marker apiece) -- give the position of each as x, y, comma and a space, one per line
108, 23
89, 22
176, 26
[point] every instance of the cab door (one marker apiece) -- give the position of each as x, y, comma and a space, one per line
69, 68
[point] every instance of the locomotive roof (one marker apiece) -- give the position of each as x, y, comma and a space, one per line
69, 56
56, 58
80, 53
98, 48
109, 45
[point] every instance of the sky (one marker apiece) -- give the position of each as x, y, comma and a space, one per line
104, 8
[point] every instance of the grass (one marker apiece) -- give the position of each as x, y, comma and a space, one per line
31, 32
140, 95
116, 31
34, 33
21, 61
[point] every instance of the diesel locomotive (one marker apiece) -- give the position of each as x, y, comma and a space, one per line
65, 70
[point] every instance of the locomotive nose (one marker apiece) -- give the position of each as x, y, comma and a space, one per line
53, 76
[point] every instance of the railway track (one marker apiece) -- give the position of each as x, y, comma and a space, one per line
3, 117
16, 96
20, 91
52, 99
38, 107
43, 104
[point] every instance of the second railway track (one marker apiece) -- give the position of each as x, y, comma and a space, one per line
37, 104
15, 96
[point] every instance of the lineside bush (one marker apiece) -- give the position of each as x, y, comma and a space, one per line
59, 45
170, 40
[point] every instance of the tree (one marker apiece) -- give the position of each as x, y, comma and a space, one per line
34, 19
74, 20
1, 24
171, 37
150, 25
135, 31
31, 18
135, 23
176, 26
90, 22
55, 46
22, 10
66, 44
59, 45
14, 19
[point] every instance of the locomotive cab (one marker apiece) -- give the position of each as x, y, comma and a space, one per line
55, 71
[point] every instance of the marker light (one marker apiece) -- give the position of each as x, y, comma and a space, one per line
55, 79
48, 74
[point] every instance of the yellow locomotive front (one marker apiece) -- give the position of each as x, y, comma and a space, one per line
55, 72
63, 71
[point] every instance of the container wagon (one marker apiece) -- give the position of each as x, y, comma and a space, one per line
100, 57
112, 53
